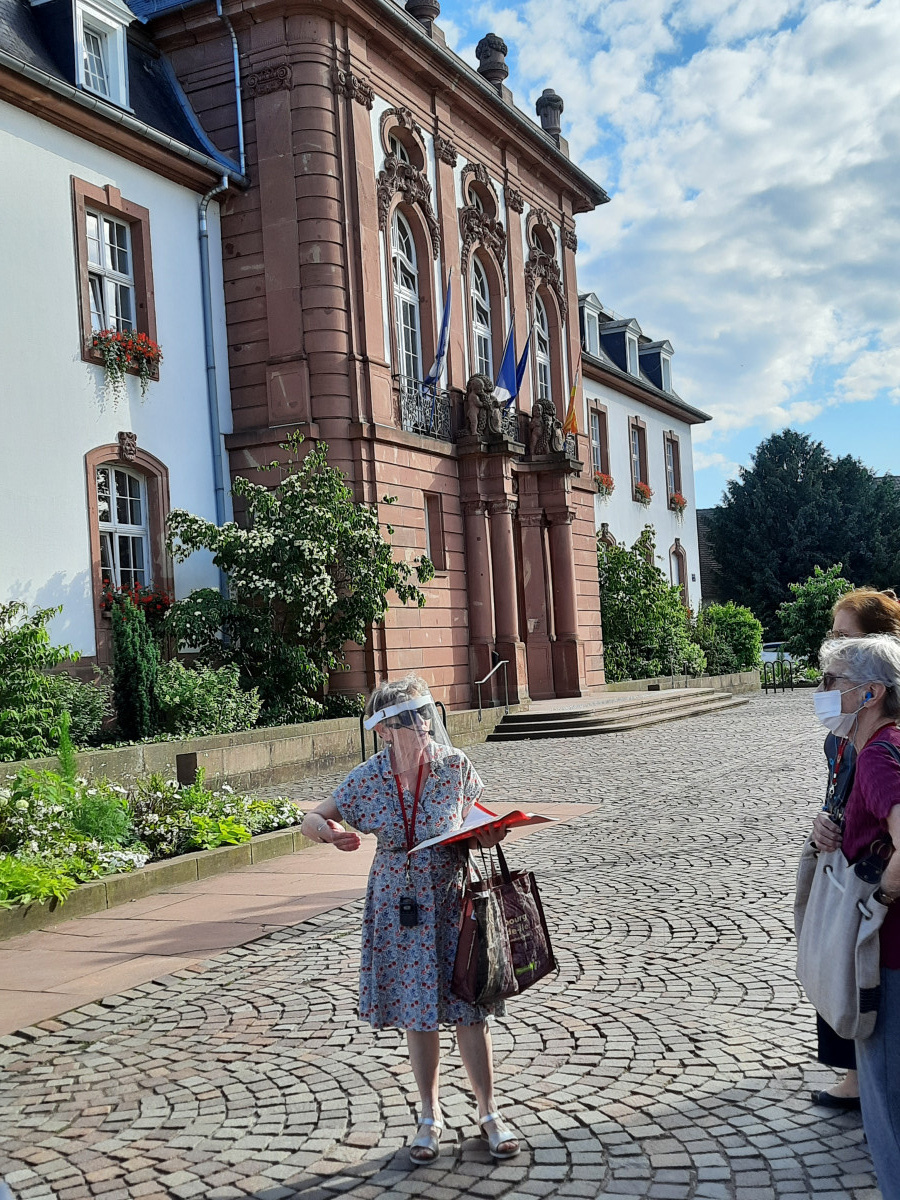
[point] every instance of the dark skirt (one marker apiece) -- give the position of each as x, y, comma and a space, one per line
835, 1051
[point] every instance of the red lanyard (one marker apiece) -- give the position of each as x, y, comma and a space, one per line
409, 826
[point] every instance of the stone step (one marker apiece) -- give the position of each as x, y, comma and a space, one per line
600, 715
621, 719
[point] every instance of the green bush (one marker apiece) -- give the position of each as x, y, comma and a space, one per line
806, 620
88, 705
197, 701
343, 704
135, 670
646, 628
730, 637
29, 710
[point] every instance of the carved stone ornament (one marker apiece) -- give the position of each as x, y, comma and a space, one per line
270, 79
127, 445
476, 226
354, 87
416, 190
479, 171
483, 411
541, 267
515, 200
445, 150
545, 431
401, 115
570, 241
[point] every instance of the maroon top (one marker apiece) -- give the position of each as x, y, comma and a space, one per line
876, 790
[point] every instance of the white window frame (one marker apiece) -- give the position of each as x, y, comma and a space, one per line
107, 284
542, 376
407, 303
666, 372
671, 473
398, 150
632, 357
116, 531
591, 333
108, 21
637, 437
596, 441
482, 338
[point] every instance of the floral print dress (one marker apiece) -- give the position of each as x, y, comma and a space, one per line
405, 972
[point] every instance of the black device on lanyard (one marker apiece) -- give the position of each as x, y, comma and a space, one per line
409, 906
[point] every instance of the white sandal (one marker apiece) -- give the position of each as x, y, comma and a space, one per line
429, 1140
501, 1136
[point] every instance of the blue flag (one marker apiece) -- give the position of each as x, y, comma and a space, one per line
523, 363
506, 387
433, 378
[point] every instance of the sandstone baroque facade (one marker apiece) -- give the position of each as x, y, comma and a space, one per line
381, 167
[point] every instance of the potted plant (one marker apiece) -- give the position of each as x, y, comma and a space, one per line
606, 485
643, 493
678, 504
126, 350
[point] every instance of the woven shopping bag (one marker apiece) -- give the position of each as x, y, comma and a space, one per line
504, 944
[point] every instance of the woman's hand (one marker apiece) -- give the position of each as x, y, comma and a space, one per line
826, 834
339, 837
486, 838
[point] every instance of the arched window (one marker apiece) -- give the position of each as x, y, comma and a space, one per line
406, 298
481, 321
397, 148
678, 570
541, 349
124, 523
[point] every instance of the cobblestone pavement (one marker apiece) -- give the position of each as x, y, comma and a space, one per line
671, 1058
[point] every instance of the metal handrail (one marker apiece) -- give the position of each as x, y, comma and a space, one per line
478, 682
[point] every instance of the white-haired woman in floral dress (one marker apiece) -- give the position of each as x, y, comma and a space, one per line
418, 787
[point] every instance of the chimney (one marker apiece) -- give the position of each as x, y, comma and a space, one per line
491, 52
549, 108
426, 12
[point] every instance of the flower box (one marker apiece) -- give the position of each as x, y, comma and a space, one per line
605, 484
124, 352
643, 493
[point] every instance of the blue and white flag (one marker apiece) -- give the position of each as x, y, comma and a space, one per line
433, 378
506, 387
523, 363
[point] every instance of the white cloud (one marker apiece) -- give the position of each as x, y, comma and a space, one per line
751, 148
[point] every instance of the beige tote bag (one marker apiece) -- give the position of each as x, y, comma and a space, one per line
837, 921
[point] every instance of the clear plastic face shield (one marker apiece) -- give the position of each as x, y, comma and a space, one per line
412, 729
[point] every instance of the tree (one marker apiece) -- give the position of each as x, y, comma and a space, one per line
646, 628
795, 508
309, 572
135, 670
29, 706
730, 636
806, 620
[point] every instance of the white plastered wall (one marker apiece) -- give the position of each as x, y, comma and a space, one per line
52, 404
625, 517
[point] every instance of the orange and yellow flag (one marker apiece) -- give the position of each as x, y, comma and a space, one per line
570, 425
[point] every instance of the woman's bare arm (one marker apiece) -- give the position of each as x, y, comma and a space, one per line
323, 824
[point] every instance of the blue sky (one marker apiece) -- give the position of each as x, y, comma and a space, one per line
752, 152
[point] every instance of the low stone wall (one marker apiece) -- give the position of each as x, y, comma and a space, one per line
254, 758
740, 681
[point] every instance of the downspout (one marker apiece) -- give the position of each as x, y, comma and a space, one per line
236, 59
212, 389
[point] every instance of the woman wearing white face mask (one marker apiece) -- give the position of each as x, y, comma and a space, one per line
860, 699
857, 614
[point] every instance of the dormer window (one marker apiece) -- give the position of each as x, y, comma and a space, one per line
632, 350
666, 373
102, 51
591, 333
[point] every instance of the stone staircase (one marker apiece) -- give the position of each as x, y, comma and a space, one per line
611, 713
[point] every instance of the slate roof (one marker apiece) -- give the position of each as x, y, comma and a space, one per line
601, 359
153, 91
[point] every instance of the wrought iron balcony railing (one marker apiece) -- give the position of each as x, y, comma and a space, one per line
423, 410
